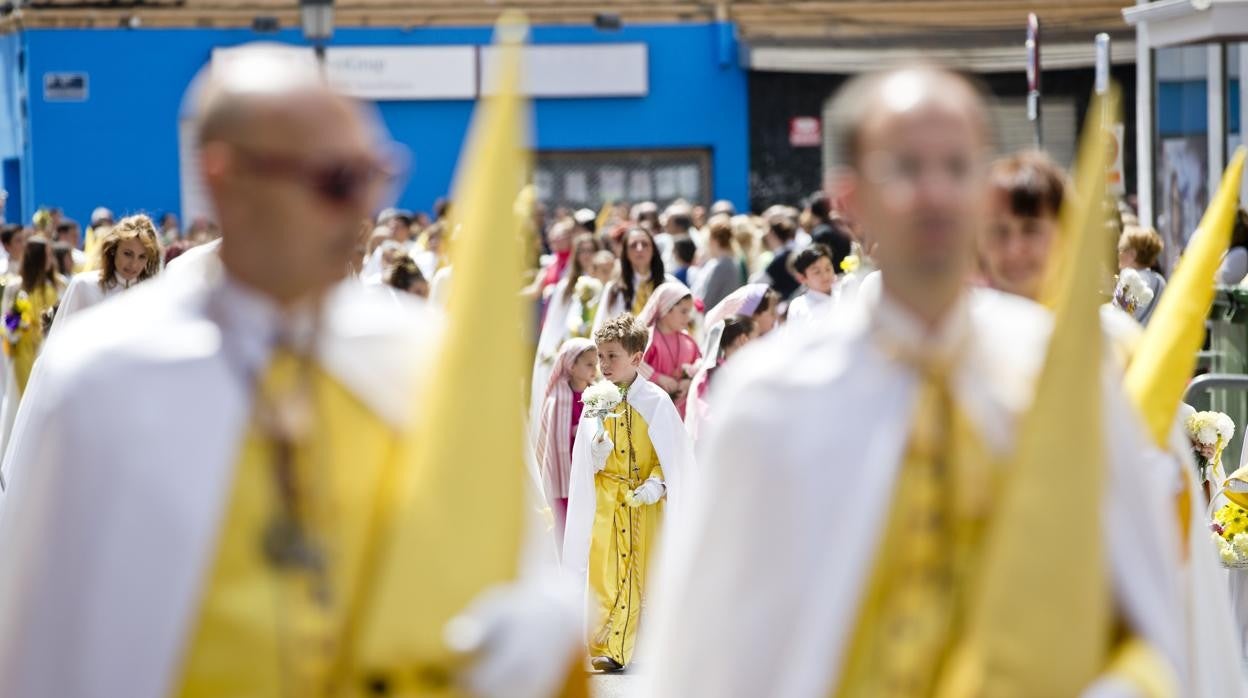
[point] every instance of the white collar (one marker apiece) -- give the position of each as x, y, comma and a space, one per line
253, 325
817, 297
899, 328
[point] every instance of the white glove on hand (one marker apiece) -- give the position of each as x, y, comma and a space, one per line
522, 639
650, 492
599, 450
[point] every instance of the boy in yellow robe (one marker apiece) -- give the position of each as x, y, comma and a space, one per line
625, 473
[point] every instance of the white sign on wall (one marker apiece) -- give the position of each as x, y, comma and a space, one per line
576, 70
381, 73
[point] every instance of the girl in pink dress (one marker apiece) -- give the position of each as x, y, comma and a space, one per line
672, 357
575, 367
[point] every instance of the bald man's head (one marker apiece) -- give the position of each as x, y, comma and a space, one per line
913, 149
292, 168
900, 89
247, 78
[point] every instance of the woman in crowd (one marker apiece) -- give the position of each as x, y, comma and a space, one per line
29, 302
405, 277
129, 254
721, 273
641, 270
430, 257
1140, 248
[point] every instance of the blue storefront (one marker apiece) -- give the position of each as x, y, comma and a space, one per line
115, 142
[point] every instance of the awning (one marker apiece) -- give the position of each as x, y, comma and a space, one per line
1177, 22
980, 59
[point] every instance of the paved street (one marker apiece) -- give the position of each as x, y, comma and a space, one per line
614, 685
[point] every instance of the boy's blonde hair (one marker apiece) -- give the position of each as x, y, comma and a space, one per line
625, 330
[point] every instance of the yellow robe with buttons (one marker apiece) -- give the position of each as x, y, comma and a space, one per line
263, 631
623, 537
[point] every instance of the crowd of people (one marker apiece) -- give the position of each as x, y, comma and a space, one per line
773, 450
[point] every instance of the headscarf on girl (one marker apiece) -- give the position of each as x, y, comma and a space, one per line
554, 440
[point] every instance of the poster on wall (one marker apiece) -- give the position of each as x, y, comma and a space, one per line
1183, 189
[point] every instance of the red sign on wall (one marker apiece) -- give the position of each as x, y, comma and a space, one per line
805, 132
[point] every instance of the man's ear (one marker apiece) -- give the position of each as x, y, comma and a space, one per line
841, 186
635, 359
215, 162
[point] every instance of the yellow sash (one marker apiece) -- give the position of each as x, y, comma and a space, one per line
911, 611
265, 630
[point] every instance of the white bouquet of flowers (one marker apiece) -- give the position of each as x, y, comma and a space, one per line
1209, 433
587, 292
1132, 291
600, 400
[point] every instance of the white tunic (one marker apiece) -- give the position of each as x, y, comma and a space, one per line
794, 486
808, 306
83, 292
109, 523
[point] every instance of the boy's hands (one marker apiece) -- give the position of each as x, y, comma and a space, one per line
600, 449
649, 493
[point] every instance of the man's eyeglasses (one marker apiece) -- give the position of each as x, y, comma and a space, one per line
336, 182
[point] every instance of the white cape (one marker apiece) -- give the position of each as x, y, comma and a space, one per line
675, 453
760, 587
107, 546
555, 331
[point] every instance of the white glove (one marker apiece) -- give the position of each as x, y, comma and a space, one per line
650, 492
600, 449
522, 639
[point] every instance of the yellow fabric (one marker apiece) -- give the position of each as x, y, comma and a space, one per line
1166, 357
91, 248
1026, 649
912, 610
267, 631
623, 537
26, 350
463, 514
1139, 665
642, 295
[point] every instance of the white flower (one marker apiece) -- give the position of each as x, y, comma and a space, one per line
1227, 553
1210, 428
1240, 544
1226, 427
587, 289
1133, 288
600, 398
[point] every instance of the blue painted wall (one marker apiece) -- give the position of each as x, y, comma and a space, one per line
1183, 107
11, 137
119, 148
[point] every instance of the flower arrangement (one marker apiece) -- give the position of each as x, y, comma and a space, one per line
600, 399
587, 291
1209, 433
1230, 535
1132, 291
18, 319
850, 264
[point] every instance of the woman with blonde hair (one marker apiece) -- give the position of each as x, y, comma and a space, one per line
29, 302
129, 254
